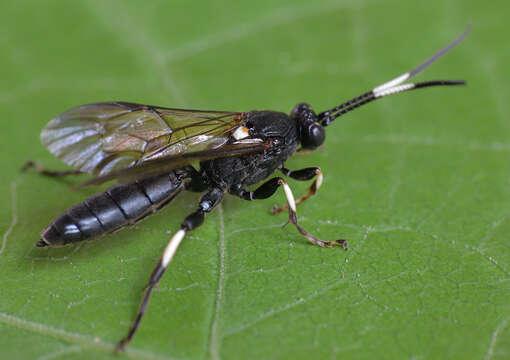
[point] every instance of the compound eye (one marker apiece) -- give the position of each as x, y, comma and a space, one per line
299, 110
315, 137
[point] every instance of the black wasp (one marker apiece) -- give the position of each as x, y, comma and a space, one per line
152, 152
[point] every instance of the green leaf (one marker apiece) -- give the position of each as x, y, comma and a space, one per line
417, 183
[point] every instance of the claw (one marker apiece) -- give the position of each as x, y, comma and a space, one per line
278, 209
343, 243
29, 164
119, 348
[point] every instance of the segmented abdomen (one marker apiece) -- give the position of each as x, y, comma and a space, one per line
117, 207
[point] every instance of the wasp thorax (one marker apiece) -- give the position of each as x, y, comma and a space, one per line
311, 133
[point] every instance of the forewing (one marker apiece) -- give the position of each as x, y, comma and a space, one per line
103, 137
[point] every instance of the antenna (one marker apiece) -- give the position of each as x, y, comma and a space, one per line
394, 86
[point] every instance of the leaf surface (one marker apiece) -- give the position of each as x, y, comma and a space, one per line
418, 183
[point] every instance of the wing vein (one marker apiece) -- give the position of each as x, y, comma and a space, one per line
101, 138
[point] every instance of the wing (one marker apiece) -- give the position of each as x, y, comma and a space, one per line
164, 164
103, 137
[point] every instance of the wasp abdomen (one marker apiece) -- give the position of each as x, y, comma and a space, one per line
111, 210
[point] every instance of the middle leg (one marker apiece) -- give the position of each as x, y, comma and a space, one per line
269, 188
302, 175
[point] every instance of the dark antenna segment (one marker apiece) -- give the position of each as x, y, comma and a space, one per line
394, 86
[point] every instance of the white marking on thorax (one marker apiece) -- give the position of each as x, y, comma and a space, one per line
171, 248
241, 133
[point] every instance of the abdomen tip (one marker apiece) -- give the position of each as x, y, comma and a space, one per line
41, 244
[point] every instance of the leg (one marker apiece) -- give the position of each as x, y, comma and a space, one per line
269, 188
302, 175
195, 183
42, 170
208, 201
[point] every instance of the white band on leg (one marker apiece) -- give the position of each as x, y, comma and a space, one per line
171, 248
290, 197
318, 182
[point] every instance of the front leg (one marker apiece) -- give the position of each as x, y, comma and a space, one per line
269, 188
302, 175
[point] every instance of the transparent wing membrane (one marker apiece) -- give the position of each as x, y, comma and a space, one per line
103, 137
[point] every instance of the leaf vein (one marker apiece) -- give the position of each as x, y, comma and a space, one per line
494, 338
72, 337
214, 340
14, 220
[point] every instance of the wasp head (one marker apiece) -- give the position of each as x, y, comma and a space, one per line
311, 134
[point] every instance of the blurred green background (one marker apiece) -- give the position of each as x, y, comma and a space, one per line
418, 183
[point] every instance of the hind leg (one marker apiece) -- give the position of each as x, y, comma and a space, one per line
41, 170
207, 203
